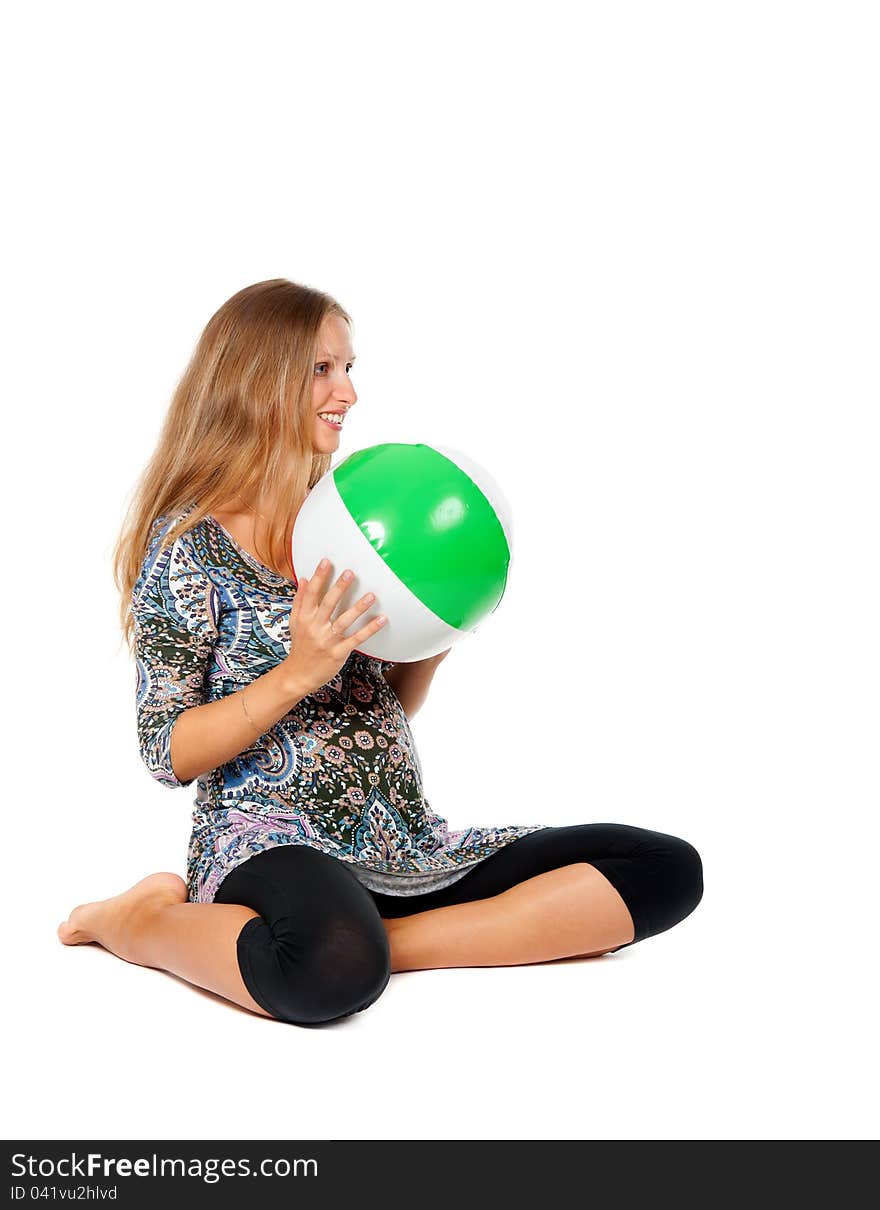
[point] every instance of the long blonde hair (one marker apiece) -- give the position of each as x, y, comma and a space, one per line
240, 421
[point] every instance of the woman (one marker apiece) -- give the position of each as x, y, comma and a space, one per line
316, 867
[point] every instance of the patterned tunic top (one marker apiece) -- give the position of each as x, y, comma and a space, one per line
339, 772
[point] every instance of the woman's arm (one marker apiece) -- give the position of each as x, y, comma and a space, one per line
411, 681
205, 737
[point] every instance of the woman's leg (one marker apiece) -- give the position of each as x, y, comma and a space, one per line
291, 934
575, 891
152, 924
317, 951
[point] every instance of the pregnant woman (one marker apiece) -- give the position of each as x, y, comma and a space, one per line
316, 866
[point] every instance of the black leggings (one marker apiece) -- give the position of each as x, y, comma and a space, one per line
318, 950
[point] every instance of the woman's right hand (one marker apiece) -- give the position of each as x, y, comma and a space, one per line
316, 652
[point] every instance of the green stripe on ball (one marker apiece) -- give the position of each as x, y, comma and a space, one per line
432, 525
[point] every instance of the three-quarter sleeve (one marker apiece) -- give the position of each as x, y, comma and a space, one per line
174, 603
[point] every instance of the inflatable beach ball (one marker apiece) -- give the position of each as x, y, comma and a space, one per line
424, 528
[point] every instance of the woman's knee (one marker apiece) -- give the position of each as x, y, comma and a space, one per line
332, 973
659, 876
688, 870
696, 872
678, 883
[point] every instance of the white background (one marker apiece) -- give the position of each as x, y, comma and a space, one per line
626, 257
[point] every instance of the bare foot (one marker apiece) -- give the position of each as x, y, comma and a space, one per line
108, 921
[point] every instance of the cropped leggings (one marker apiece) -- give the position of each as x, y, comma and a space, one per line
318, 950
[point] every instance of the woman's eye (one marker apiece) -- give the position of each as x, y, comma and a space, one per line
323, 364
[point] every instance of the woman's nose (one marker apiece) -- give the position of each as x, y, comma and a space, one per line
345, 391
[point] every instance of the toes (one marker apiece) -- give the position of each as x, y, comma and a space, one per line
71, 930
68, 935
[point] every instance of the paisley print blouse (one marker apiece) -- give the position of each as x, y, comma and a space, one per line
339, 772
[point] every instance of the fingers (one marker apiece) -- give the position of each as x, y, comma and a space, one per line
308, 589
355, 611
360, 636
324, 600
366, 631
333, 596
319, 594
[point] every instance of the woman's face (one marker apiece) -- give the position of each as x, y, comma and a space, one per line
332, 390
